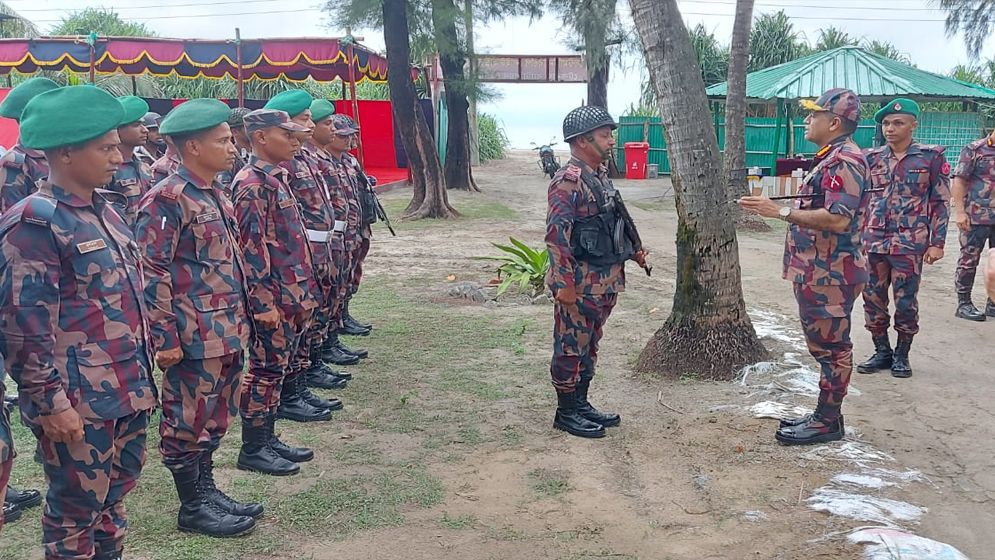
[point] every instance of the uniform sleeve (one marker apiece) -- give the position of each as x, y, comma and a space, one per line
252, 210
965, 166
559, 226
843, 185
13, 187
29, 311
939, 200
157, 232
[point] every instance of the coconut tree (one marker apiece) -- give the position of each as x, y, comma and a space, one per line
974, 18
774, 40
834, 38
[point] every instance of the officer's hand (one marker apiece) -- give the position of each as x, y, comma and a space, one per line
63, 427
963, 221
933, 254
270, 319
167, 358
567, 296
760, 205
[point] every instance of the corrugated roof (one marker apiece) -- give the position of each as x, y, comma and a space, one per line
869, 75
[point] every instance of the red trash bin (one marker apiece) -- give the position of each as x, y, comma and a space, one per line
636, 156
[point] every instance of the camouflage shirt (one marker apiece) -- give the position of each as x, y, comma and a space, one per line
22, 169
911, 213
165, 166
329, 173
133, 179
278, 266
194, 281
314, 198
977, 168
354, 170
71, 311
228, 175
836, 182
345, 185
569, 200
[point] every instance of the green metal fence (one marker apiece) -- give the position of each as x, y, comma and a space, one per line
950, 130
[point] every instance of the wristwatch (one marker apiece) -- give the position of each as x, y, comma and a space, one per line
784, 212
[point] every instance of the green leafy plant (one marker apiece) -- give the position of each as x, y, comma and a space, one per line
521, 266
493, 140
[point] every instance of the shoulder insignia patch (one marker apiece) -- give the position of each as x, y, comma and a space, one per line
38, 210
572, 173
945, 168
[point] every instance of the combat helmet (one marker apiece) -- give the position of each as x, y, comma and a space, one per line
584, 119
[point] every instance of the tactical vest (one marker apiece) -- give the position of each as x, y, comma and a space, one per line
600, 239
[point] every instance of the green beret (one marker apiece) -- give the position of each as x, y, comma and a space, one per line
134, 109
321, 109
900, 106
17, 98
67, 116
293, 101
193, 116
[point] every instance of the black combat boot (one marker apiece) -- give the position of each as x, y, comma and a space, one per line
108, 556
22, 499
802, 419
11, 513
569, 419
585, 409
815, 429
990, 308
967, 310
258, 455
881, 359
294, 407
331, 353
320, 367
351, 322
293, 454
331, 404
224, 501
361, 353
201, 515
901, 367
314, 378
321, 382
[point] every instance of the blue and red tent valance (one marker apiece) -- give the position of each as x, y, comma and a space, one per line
295, 59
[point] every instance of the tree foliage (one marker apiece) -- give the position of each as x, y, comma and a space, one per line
834, 38
17, 27
774, 40
974, 18
102, 21
713, 56
493, 140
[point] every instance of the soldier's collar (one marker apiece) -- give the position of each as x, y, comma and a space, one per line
62, 195
265, 167
192, 178
31, 153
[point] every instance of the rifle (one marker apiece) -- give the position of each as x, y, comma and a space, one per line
630, 230
378, 209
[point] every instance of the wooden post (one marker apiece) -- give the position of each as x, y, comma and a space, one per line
350, 53
777, 135
93, 61
238, 68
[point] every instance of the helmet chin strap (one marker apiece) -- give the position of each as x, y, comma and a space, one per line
603, 154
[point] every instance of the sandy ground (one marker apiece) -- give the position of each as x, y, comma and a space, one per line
691, 474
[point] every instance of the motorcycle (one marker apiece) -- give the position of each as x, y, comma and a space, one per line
548, 161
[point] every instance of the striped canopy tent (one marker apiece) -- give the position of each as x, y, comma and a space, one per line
874, 78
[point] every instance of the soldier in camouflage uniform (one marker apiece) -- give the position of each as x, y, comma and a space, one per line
195, 291
237, 126
155, 146
73, 324
822, 256
282, 291
134, 178
905, 225
365, 184
317, 209
973, 202
167, 164
586, 269
21, 168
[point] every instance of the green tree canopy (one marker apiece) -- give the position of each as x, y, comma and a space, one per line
102, 21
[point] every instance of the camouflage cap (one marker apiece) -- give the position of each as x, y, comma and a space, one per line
135, 108
841, 102
17, 98
237, 116
342, 125
261, 119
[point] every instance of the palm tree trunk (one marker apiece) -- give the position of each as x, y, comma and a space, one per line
708, 331
735, 152
430, 199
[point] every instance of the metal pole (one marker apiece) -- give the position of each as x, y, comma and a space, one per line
355, 104
93, 56
777, 136
238, 67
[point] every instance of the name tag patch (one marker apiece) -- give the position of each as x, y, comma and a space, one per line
208, 217
91, 246
286, 203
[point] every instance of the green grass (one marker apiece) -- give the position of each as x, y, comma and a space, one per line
548, 483
457, 522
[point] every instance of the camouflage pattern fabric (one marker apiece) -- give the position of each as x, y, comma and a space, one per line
21, 169
133, 179
977, 167
269, 364
902, 273
352, 167
972, 244
87, 482
226, 177
836, 183
577, 330
825, 318
911, 213
6, 446
165, 166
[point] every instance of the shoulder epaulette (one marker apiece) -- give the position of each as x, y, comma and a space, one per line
933, 148
170, 190
572, 172
14, 159
38, 210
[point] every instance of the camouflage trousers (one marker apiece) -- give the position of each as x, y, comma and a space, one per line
344, 287
197, 406
577, 330
825, 317
902, 274
329, 305
270, 360
972, 243
6, 448
87, 482
360, 251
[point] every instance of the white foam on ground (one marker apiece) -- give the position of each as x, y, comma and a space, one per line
862, 480
855, 452
776, 410
891, 544
891, 513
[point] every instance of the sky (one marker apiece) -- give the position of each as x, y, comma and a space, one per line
534, 112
